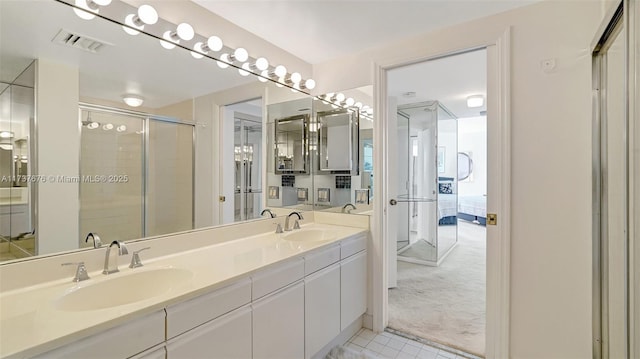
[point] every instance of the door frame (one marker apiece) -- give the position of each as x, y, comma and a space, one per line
498, 184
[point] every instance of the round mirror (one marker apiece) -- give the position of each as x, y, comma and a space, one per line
465, 166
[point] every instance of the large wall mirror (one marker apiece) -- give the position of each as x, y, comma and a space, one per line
104, 130
79, 159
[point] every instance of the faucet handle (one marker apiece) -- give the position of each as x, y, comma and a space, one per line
135, 258
81, 271
296, 224
278, 228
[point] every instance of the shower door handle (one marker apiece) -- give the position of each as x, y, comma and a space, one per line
393, 202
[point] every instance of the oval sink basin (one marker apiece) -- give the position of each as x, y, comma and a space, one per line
310, 235
122, 289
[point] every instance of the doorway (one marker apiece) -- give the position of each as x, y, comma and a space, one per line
437, 237
242, 187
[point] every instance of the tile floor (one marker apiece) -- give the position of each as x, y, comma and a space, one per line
388, 345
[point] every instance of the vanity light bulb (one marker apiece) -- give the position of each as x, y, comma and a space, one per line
280, 71
241, 54
369, 111
350, 102
167, 42
262, 64
295, 88
185, 31
296, 78
340, 97
310, 84
129, 21
102, 2
93, 125
197, 53
280, 82
223, 63
147, 14
121, 128
244, 71
85, 14
263, 76
214, 43
107, 127
358, 104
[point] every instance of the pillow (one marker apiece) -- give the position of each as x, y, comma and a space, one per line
445, 187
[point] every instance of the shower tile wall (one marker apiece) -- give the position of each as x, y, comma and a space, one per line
113, 208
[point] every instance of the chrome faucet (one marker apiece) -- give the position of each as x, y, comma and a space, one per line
97, 243
267, 210
81, 271
296, 225
345, 210
111, 265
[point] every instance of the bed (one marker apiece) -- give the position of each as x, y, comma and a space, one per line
473, 209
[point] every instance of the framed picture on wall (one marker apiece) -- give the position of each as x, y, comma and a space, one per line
441, 153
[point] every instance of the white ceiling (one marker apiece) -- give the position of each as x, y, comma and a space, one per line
321, 30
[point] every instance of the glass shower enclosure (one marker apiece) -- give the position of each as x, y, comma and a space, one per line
136, 174
427, 182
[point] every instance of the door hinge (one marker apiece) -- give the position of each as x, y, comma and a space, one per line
492, 219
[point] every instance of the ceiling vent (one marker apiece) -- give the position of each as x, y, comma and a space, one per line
78, 41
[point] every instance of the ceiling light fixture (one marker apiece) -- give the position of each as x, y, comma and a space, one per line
475, 101
133, 100
146, 15
184, 32
86, 9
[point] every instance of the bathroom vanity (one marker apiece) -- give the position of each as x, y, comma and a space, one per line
263, 295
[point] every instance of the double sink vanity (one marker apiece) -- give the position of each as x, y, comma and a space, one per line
235, 291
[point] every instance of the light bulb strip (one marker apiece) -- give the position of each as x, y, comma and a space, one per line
339, 100
148, 22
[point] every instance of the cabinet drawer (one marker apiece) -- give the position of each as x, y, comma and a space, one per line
187, 315
277, 277
228, 337
120, 342
352, 246
320, 259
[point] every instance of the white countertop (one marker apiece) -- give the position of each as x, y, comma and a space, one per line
30, 323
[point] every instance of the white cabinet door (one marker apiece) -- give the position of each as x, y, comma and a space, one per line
278, 324
353, 288
228, 337
322, 308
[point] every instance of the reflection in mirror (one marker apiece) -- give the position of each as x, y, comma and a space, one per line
350, 185
99, 164
338, 148
291, 138
17, 239
290, 159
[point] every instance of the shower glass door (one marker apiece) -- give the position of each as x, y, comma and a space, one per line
426, 194
111, 175
417, 199
136, 175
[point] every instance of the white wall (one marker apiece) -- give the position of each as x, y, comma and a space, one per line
472, 139
58, 136
551, 161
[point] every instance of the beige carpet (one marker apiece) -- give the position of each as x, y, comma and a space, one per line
445, 304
